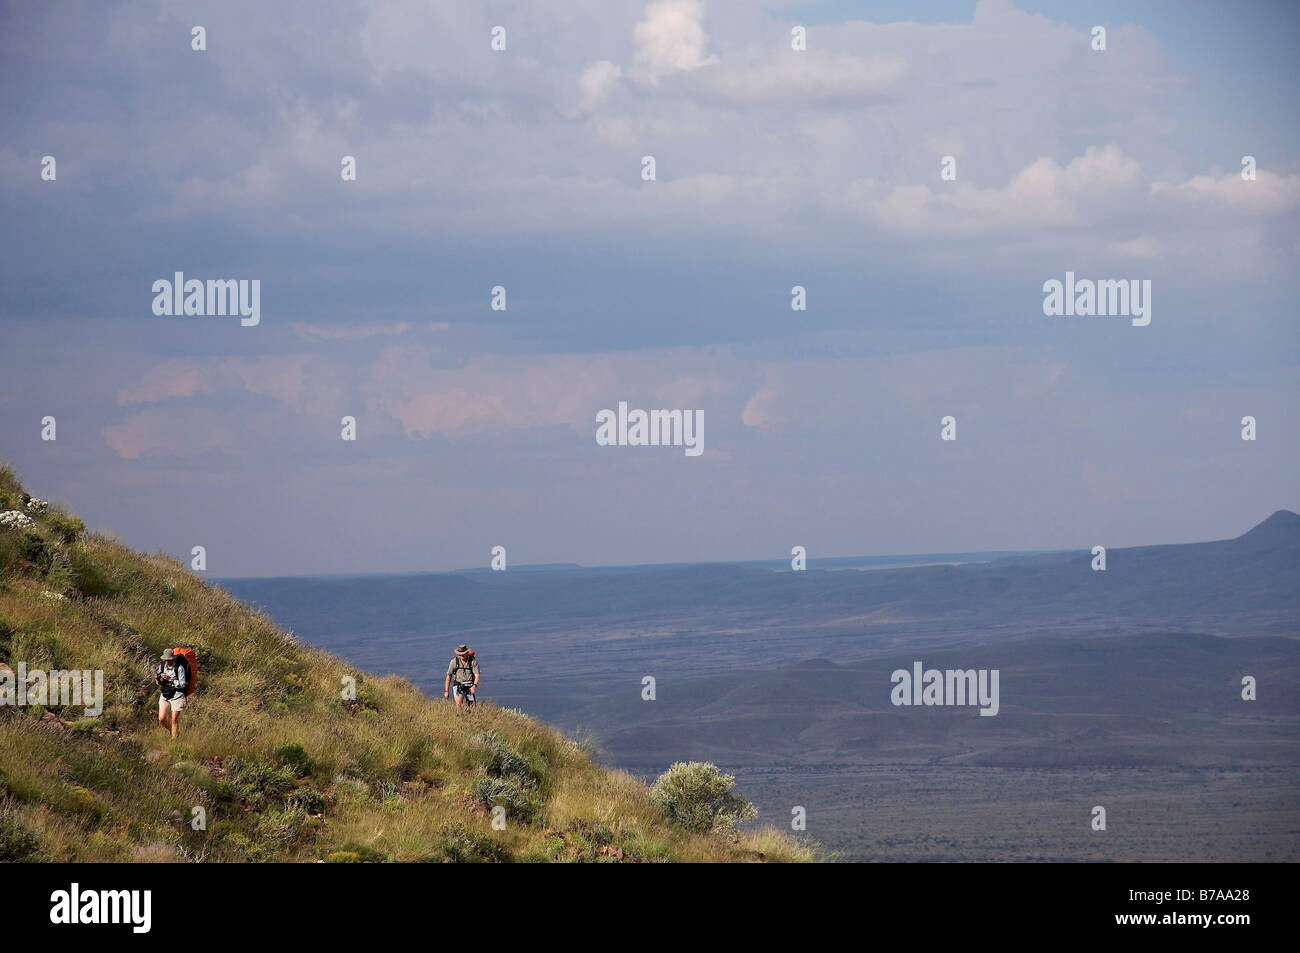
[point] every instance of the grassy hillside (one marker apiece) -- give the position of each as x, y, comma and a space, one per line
285, 768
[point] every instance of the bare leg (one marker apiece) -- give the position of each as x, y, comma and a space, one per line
176, 716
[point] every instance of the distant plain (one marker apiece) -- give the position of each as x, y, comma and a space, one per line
1119, 689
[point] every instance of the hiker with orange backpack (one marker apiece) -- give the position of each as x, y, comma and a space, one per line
462, 676
176, 676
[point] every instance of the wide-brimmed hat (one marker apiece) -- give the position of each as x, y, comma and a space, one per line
462, 649
168, 655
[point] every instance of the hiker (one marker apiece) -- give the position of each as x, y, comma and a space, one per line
173, 678
462, 676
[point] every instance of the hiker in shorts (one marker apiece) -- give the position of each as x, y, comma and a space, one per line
462, 676
173, 677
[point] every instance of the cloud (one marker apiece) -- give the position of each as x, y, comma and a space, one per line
1144, 246
474, 145
1042, 194
596, 83
487, 395
761, 410
671, 37
181, 432
788, 76
280, 377
499, 393
167, 381
1269, 194
356, 332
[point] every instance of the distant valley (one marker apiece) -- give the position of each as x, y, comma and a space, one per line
1133, 675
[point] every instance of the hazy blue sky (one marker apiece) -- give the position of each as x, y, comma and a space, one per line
775, 168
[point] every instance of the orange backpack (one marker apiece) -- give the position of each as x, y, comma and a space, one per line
192, 660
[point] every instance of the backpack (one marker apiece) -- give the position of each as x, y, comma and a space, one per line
468, 666
192, 662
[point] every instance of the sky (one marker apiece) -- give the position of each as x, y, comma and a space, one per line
522, 168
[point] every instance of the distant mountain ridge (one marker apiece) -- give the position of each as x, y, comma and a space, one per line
1246, 585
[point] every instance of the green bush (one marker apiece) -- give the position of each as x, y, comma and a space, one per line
358, 854
699, 797
65, 526
84, 726
33, 548
519, 799
294, 757
282, 827
462, 844
504, 762
227, 790
16, 841
82, 801
308, 800
256, 783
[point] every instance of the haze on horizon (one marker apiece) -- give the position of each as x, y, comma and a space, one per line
522, 169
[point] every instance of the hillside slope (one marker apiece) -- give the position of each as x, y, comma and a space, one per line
284, 768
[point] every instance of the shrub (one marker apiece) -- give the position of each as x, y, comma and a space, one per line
33, 548
82, 801
84, 726
15, 519
519, 800
505, 763
226, 790
308, 800
294, 757
65, 526
16, 841
358, 854
461, 844
256, 782
282, 827
240, 845
698, 797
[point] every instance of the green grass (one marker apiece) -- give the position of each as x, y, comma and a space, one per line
282, 766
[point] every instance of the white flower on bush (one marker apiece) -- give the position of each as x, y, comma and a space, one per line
38, 506
15, 519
